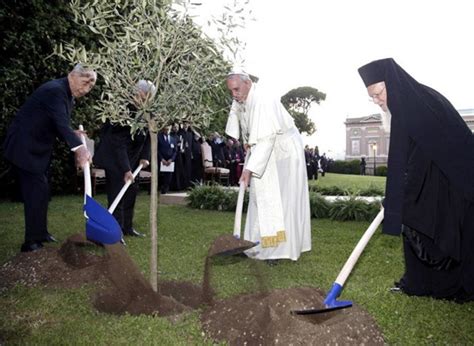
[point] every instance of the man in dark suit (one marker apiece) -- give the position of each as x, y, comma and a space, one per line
119, 153
45, 115
167, 150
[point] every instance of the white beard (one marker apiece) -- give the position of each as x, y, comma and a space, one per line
386, 120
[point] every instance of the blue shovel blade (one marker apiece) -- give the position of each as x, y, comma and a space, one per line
101, 226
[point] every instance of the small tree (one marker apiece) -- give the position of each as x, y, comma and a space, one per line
150, 40
298, 102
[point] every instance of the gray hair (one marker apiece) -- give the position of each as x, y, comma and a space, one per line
83, 71
146, 86
243, 76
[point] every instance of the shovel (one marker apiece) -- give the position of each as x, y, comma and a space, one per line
101, 226
228, 245
330, 301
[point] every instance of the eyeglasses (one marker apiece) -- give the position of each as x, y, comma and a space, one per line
373, 97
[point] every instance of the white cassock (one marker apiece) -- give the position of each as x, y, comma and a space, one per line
278, 216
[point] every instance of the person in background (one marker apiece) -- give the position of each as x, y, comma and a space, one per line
177, 181
186, 151
119, 152
167, 151
362, 164
429, 195
28, 146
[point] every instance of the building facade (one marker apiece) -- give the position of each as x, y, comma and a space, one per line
366, 137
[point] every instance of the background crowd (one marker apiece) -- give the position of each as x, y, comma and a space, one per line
182, 145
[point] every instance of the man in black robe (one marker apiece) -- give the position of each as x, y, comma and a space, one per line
430, 183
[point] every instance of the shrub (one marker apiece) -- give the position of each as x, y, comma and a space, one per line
318, 205
371, 190
214, 197
332, 190
345, 167
352, 209
381, 171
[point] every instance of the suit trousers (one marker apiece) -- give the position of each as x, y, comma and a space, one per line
35, 193
125, 209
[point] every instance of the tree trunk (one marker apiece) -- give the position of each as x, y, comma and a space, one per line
153, 212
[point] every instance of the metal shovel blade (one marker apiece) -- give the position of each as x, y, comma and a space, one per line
319, 311
101, 226
228, 245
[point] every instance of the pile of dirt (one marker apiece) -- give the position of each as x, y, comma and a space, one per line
128, 291
266, 319
70, 267
120, 286
252, 319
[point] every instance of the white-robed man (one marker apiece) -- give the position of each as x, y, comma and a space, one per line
278, 216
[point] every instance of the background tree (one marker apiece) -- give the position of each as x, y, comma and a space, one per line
155, 41
298, 102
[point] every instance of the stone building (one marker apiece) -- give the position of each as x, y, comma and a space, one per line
365, 137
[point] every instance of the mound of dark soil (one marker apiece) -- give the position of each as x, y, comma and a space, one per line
266, 319
262, 318
68, 267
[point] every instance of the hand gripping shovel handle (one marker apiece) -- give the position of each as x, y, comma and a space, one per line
124, 189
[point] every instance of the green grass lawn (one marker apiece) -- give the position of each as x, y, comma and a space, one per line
57, 316
352, 182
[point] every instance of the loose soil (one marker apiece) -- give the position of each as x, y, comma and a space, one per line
261, 318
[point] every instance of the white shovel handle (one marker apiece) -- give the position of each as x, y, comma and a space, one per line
86, 170
238, 210
352, 260
240, 205
124, 189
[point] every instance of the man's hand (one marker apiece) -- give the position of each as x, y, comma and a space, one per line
80, 133
128, 176
82, 156
245, 177
145, 163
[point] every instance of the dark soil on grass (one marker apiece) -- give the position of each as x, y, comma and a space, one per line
261, 318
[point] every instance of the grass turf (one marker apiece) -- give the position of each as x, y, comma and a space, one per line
53, 316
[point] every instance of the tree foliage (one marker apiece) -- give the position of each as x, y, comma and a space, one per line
298, 102
300, 99
155, 41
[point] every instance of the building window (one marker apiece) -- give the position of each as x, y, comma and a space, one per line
355, 147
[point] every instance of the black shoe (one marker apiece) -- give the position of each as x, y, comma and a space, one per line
271, 262
49, 239
133, 233
31, 246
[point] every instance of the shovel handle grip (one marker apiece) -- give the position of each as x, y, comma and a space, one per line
124, 189
238, 210
86, 170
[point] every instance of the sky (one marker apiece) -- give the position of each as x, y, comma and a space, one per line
322, 44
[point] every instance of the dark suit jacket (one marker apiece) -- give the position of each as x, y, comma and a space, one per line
167, 150
118, 151
45, 115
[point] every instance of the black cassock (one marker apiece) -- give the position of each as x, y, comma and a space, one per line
430, 185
